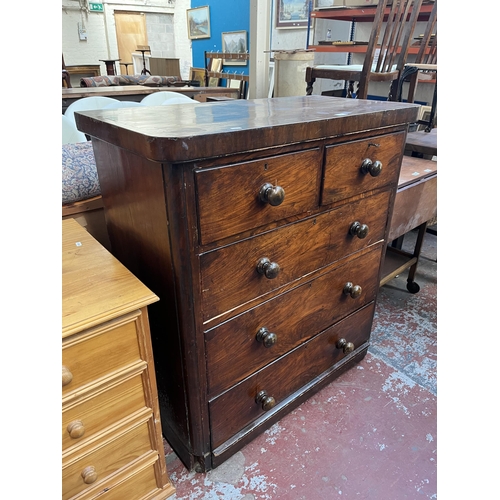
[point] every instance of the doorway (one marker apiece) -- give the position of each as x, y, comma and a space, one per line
130, 33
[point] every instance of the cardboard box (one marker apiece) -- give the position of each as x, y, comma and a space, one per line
359, 3
328, 4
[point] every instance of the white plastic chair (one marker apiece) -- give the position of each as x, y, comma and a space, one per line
88, 104
123, 104
158, 98
70, 134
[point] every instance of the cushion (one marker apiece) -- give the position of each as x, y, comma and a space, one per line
79, 173
99, 81
159, 81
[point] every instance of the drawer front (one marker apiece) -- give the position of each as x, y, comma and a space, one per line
105, 460
413, 206
83, 421
230, 275
229, 201
344, 176
140, 485
237, 407
233, 349
103, 351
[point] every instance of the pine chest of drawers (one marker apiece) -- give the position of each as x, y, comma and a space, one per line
261, 225
111, 437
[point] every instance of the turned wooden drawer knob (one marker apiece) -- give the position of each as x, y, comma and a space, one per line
76, 429
269, 269
371, 167
267, 402
67, 376
274, 195
347, 347
89, 474
358, 229
353, 290
266, 337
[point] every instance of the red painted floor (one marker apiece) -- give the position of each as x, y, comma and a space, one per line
371, 434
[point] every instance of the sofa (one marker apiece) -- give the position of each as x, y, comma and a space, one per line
81, 192
119, 80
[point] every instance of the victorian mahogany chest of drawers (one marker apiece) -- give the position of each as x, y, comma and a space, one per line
261, 225
111, 437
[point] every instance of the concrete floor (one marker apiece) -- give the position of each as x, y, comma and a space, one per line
371, 434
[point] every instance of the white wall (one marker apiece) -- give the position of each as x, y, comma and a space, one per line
165, 22
296, 38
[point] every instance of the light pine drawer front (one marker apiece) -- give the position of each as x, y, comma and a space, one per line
239, 347
230, 276
140, 485
83, 421
105, 460
88, 357
344, 175
229, 199
237, 407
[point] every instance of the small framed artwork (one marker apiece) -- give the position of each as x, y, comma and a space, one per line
291, 13
215, 67
198, 75
236, 43
198, 22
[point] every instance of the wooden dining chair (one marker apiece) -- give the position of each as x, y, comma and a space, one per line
425, 62
66, 81
386, 52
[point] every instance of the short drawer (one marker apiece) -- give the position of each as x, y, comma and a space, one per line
230, 200
89, 356
140, 485
238, 407
345, 175
230, 275
84, 421
248, 342
89, 469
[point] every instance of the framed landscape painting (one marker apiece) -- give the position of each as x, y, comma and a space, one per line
236, 43
291, 13
198, 21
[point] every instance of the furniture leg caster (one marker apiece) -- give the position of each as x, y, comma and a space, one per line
412, 287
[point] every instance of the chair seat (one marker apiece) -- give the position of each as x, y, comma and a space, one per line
423, 67
347, 67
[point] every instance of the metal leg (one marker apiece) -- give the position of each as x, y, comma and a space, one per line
430, 125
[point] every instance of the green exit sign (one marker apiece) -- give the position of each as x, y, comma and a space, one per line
96, 7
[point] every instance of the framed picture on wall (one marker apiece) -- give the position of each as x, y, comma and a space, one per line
198, 21
236, 43
291, 13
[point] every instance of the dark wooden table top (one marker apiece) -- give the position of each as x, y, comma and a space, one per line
416, 169
113, 91
182, 133
422, 142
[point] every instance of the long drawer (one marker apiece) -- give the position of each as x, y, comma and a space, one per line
344, 175
238, 407
229, 199
99, 463
246, 343
84, 421
235, 274
97, 353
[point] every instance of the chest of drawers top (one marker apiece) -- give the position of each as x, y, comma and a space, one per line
87, 267
183, 133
